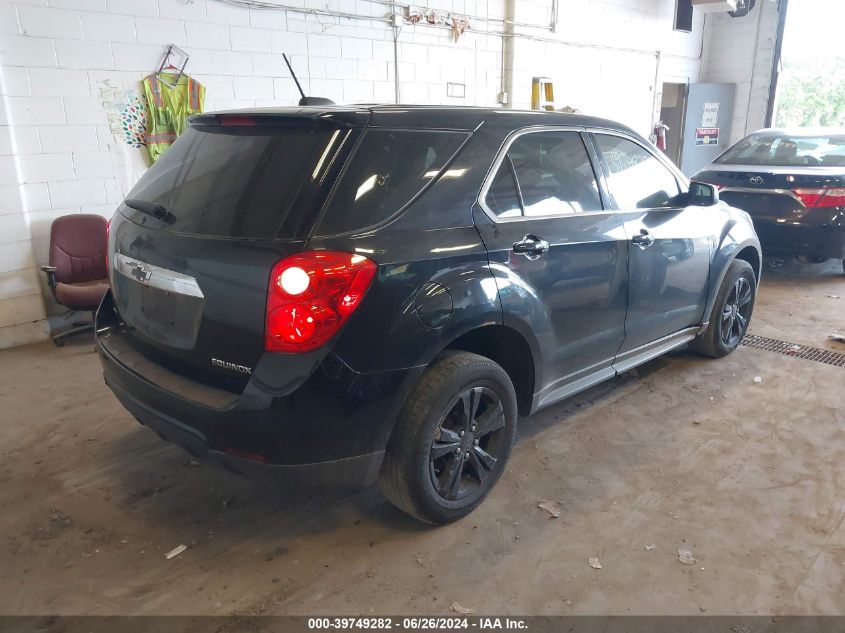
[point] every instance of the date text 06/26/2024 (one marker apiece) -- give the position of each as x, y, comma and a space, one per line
417, 623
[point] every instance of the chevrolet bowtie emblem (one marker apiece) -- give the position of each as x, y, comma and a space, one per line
139, 272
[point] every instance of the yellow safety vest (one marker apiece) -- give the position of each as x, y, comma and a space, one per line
168, 110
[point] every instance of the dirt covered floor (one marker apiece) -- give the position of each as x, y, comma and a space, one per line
683, 454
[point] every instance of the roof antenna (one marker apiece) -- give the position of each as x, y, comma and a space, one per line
305, 101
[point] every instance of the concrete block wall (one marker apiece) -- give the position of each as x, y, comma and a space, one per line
741, 51
57, 57
60, 58
606, 57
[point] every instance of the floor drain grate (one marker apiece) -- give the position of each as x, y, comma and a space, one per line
793, 349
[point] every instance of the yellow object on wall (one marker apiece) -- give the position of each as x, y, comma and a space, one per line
168, 108
542, 94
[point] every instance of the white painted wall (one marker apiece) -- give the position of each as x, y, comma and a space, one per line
730, 46
57, 57
57, 152
606, 57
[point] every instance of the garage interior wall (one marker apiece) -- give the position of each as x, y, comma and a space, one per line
606, 58
741, 51
61, 59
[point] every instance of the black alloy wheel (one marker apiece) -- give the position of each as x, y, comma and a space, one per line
467, 444
452, 439
736, 312
731, 312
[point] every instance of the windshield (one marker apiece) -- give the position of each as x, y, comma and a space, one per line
248, 182
783, 150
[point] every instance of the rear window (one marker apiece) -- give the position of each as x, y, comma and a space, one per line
554, 174
785, 151
247, 182
386, 172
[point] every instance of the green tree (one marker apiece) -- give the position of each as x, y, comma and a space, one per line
812, 94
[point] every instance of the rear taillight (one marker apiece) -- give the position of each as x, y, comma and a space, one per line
817, 198
311, 295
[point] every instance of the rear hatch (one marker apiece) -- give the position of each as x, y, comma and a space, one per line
771, 193
193, 244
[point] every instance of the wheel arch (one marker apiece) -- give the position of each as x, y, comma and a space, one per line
508, 348
729, 250
751, 255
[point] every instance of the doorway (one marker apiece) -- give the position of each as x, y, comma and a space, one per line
699, 120
673, 105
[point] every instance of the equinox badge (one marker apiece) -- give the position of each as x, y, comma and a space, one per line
241, 369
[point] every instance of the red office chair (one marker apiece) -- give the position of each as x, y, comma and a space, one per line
77, 272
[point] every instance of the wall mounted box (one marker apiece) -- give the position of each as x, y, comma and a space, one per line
714, 5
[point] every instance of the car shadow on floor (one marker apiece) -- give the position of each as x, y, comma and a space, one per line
170, 487
789, 267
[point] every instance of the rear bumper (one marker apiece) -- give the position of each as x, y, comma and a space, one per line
331, 431
351, 472
790, 239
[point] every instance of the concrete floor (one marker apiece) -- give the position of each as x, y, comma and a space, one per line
684, 453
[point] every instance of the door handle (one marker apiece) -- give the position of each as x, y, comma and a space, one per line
643, 239
531, 247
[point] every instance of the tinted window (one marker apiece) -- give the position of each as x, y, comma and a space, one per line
502, 197
238, 182
386, 171
637, 179
683, 15
787, 150
554, 174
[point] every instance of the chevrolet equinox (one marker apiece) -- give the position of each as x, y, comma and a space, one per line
351, 294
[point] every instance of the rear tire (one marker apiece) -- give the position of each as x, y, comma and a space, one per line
731, 312
441, 463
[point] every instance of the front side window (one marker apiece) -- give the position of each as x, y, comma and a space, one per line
554, 177
637, 179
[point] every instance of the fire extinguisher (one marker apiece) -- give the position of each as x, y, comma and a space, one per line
660, 130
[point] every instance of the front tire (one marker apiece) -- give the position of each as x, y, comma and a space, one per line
731, 312
452, 439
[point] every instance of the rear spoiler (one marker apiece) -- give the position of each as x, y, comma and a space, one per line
341, 118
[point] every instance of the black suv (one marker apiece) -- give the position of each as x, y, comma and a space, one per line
349, 294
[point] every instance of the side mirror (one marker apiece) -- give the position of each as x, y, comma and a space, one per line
703, 195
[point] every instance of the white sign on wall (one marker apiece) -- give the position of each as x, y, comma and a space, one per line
710, 118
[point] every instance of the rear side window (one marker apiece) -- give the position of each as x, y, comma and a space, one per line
386, 172
554, 176
502, 196
637, 179
249, 182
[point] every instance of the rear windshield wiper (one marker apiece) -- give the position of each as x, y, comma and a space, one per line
151, 208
